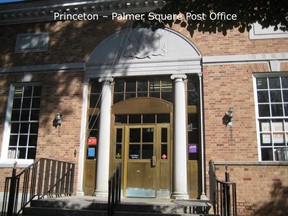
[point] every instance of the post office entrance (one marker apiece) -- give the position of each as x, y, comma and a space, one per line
146, 153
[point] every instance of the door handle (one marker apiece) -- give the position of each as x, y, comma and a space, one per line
153, 161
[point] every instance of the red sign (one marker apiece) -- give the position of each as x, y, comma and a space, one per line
92, 141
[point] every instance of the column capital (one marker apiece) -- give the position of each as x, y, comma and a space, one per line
178, 76
106, 79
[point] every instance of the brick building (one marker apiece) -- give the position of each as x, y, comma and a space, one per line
154, 100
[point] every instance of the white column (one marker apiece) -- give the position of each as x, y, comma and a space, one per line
81, 151
203, 193
103, 158
180, 181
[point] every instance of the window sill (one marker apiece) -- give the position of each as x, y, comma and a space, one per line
9, 163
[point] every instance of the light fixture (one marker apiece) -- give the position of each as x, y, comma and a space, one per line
57, 120
227, 118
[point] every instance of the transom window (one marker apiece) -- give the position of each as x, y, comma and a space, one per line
154, 87
272, 99
24, 122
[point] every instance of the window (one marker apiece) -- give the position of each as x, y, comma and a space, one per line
272, 104
159, 87
24, 121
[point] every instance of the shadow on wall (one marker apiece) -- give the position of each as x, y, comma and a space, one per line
278, 206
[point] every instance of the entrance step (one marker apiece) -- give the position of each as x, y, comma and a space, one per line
90, 206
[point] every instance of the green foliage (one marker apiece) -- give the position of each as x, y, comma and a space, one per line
266, 12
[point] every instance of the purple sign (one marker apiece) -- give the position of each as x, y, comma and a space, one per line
192, 148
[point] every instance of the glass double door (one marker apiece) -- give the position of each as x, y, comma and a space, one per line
146, 158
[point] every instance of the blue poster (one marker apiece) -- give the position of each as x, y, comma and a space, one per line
91, 152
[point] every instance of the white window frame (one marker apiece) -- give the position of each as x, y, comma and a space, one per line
257, 32
5, 161
271, 118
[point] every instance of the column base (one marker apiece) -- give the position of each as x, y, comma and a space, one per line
180, 196
101, 194
80, 193
203, 197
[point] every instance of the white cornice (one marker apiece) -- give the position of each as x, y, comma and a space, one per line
41, 11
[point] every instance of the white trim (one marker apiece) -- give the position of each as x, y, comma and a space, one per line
256, 117
7, 124
257, 32
44, 68
244, 58
20, 163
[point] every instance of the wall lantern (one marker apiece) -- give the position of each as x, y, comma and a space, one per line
227, 118
57, 120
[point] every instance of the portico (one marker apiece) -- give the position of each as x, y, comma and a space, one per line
145, 76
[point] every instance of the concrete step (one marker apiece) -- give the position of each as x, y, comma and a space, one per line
87, 206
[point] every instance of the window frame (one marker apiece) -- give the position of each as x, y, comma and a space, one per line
270, 118
5, 161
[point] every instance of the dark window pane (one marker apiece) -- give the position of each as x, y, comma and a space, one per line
267, 154
96, 87
34, 128
149, 118
193, 119
164, 151
147, 134
95, 101
130, 95
37, 91
12, 153
275, 96
22, 153
134, 119
262, 83
93, 122
24, 128
135, 134
277, 110
155, 94
168, 96
131, 86
193, 83
142, 86
134, 151
23, 140
119, 86
286, 109
31, 153
14, 127
164, 134
25, 115
15, 115
118, 97
35, 115
163, 118
33, 140
17, 103
13, 140
263, 96
264, 110
119, 135
147, 151
36, 103
193, 97
193, 136
27, 91
281, 154
284, 82
120, 119
274, 82
142, 94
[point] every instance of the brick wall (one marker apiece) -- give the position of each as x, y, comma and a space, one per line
61, 92
262, 190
